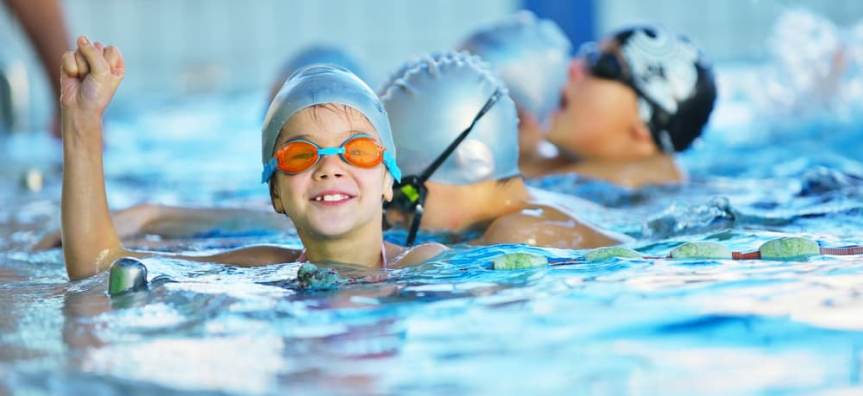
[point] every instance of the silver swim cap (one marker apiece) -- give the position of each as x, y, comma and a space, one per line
530, 55
434, 101
324, 84
325, 53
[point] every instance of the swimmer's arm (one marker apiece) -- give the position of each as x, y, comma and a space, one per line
183, 222
180, 222
252, 256
89, 78
44, 24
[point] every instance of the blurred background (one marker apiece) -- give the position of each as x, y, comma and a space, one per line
181, 47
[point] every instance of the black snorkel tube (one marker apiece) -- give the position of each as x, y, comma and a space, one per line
410, 194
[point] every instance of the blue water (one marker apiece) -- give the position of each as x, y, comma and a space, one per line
620, 327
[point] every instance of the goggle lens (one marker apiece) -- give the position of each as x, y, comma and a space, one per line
297, 156
363, 152
300, 155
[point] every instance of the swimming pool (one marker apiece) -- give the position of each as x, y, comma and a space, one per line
634, 327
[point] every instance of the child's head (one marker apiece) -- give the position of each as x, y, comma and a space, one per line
328, 152
641, 91
431, 105
531, 56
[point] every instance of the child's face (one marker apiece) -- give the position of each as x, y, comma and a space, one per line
332, 198
595, 116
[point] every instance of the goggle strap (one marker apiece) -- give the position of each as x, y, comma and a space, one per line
660, 136
390, 163
446, 153
418, 216
415, 226
269, 168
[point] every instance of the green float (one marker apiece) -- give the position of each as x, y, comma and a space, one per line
789, 248
701, 250
516, 261
605, 253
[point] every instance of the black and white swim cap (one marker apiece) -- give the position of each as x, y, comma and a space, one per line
675, 80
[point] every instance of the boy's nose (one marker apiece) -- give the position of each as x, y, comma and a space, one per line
329, 166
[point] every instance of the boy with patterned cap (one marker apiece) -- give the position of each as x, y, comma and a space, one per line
631, 103
531, 57
328, 158
461, 165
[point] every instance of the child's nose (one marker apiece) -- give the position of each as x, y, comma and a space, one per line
329, 166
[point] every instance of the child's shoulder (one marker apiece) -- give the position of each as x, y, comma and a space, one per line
531, 225
408, 256
548, 226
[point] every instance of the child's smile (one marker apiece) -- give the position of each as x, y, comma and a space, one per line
331, 198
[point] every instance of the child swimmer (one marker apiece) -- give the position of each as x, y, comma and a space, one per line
328, 158
457, 130
630, 102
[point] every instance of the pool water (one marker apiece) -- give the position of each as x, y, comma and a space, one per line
451, 326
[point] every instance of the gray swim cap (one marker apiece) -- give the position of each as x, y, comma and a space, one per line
434, 101
530, 55
325, 84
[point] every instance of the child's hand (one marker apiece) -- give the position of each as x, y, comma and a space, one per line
89, 76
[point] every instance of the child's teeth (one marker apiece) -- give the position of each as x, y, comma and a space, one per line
336, 197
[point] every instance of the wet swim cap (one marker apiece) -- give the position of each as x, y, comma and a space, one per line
334, 55
434, 101
530, 55
673, 73
411, 63
323, 84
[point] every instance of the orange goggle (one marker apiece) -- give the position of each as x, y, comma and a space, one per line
300, 155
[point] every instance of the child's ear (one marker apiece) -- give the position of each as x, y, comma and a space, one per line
388, 187
276, 198
640, 132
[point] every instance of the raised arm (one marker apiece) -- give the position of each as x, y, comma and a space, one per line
89, 77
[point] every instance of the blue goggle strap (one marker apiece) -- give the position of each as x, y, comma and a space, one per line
390, 163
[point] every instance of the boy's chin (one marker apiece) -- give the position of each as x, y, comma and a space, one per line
331, 231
